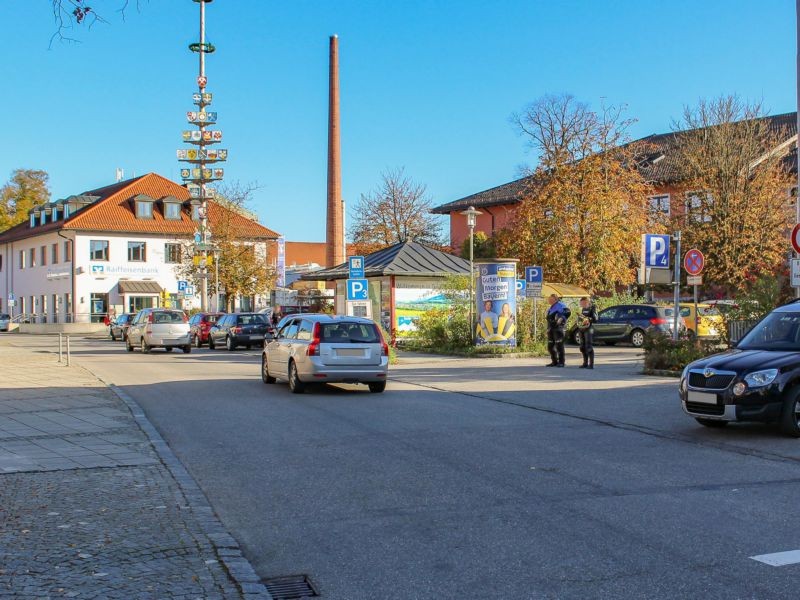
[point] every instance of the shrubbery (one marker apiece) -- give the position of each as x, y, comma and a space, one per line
662, 353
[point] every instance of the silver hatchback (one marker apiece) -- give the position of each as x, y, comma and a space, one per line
159, 328
315, 348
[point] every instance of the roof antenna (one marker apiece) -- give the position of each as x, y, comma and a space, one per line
120, 174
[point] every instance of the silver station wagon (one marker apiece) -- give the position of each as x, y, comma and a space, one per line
159, 328
317, 348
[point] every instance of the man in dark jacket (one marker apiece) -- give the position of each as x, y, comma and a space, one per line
557, 316
586, 320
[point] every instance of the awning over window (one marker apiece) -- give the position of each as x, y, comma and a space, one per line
127, 286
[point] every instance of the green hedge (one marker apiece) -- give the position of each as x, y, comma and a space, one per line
662, 353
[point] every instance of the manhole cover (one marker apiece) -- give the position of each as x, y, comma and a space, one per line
291, 587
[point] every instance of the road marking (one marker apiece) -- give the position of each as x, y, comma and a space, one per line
779, 559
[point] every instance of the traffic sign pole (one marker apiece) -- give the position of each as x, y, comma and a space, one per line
677, 315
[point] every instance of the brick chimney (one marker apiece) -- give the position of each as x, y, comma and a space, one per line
334, 251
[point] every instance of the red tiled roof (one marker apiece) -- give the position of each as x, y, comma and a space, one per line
114, 212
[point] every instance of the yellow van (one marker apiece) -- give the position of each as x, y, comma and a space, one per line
710, 323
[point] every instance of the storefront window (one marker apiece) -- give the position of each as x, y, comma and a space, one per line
99, 307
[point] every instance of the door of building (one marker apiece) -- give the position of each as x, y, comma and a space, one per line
99, 307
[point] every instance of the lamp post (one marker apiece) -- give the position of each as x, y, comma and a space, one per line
472, 218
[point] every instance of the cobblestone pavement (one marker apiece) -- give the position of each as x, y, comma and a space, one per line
89, 508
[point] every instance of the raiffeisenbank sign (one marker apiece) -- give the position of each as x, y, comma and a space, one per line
103, 270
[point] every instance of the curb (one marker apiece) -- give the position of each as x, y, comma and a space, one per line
661, 372
225, 546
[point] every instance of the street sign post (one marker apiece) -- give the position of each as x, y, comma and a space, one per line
795, 272
356, 267
182, 285
694, 280
534, 279
357, 290
521, 286
796, 238
655, 251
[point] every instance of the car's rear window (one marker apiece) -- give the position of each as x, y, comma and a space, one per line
257, 319
4, 316
168, 317
357, 333
708, 311
211, 318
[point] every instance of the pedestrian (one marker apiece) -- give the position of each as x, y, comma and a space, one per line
275, 316
557, 316
585, 325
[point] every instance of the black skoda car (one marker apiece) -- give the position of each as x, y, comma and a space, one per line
758, 380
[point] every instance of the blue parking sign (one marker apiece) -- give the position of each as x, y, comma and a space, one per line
357, 289
534, 274
655, 250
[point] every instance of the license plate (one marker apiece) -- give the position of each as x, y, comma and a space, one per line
702, 397
349, 352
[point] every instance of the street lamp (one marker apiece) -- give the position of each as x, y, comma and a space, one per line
472, 219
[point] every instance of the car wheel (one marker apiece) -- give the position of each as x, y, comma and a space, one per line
211, 344
187, 349
265, 376
197, 342
578, 338
229, 344
713, 423
376, 387
790, 416
128, 345
168, 349
637, 338
145, 347
297, 386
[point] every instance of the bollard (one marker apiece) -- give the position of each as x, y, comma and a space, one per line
60, 348
68, 351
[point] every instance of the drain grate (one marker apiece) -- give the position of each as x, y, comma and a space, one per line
291, 587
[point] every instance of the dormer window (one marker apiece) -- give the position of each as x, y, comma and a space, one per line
172, 208
144, 206
33, 219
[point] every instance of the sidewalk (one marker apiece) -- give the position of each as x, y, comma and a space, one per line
93, 504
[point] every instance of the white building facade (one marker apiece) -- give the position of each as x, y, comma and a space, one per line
109, 251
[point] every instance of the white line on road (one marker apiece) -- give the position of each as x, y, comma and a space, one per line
779, 559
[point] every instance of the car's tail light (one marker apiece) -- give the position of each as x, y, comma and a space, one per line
313, 346
384, 345
658, 321
237, 330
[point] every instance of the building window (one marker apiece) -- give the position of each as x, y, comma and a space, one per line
98, 250
659, 205
54, 254
144, 209
136, 251
698, 207
43, 256
21, 259
172, 210
33, 220
67, 251
172, 253
32, 257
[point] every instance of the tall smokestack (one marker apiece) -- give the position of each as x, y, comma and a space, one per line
334, 252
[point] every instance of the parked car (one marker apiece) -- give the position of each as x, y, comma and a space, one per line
199, 326
710, 322
159, 328
758, 380
630, 323
239, 329
326, 349
118, 328
5, 322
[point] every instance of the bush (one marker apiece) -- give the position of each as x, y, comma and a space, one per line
662, 353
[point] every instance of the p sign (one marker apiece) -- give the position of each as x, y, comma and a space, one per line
521, 285
357, 289
655, 251
534, 274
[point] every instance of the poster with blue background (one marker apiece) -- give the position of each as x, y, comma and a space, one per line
496, 303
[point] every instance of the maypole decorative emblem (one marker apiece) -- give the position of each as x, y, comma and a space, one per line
202, 159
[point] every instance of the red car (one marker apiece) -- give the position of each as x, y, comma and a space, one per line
199, 325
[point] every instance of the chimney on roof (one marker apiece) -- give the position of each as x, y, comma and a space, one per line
334, 251
120, 174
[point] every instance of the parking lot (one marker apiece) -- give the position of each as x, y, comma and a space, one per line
474, 478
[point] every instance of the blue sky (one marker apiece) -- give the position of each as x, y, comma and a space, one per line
426, 84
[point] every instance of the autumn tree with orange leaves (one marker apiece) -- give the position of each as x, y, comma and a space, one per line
585, 206
736, 180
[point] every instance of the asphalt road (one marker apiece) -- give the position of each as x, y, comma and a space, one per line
475, 478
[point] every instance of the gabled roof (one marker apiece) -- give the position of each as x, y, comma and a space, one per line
114, 211
660, 165
406, 258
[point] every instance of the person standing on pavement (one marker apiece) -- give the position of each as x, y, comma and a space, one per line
557, 316
586, 321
